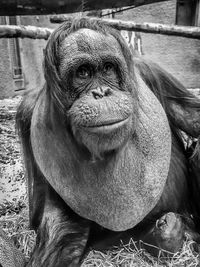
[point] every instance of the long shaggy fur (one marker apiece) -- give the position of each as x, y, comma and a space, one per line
64, 234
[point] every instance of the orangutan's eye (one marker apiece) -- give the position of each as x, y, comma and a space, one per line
108, 68
83, 72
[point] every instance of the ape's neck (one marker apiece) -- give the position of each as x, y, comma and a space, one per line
117, 193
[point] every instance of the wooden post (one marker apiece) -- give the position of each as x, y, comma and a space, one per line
186, 12
197, 22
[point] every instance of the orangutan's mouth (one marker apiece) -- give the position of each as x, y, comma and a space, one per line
107, 127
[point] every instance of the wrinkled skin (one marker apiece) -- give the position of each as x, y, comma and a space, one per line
101, 143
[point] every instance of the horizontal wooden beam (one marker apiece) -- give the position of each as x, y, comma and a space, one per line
9, 31
13, 31
165, 29
32, 7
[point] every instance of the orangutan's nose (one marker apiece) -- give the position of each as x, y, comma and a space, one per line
100, 92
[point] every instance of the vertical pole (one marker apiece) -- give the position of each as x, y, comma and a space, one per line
186, 12
197, 19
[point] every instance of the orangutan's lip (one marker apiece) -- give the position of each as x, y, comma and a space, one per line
107, 127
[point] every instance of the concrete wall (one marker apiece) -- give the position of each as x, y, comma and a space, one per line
32, 52
6, 78
179, 56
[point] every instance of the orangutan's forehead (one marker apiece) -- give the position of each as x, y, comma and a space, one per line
89, 41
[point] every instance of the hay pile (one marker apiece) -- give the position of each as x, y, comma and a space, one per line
130, 256
16, 226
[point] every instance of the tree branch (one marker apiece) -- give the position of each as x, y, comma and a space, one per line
13, 31
183, 31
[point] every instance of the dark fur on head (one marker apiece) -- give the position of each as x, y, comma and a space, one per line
168, 90
164, 85
52, 57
